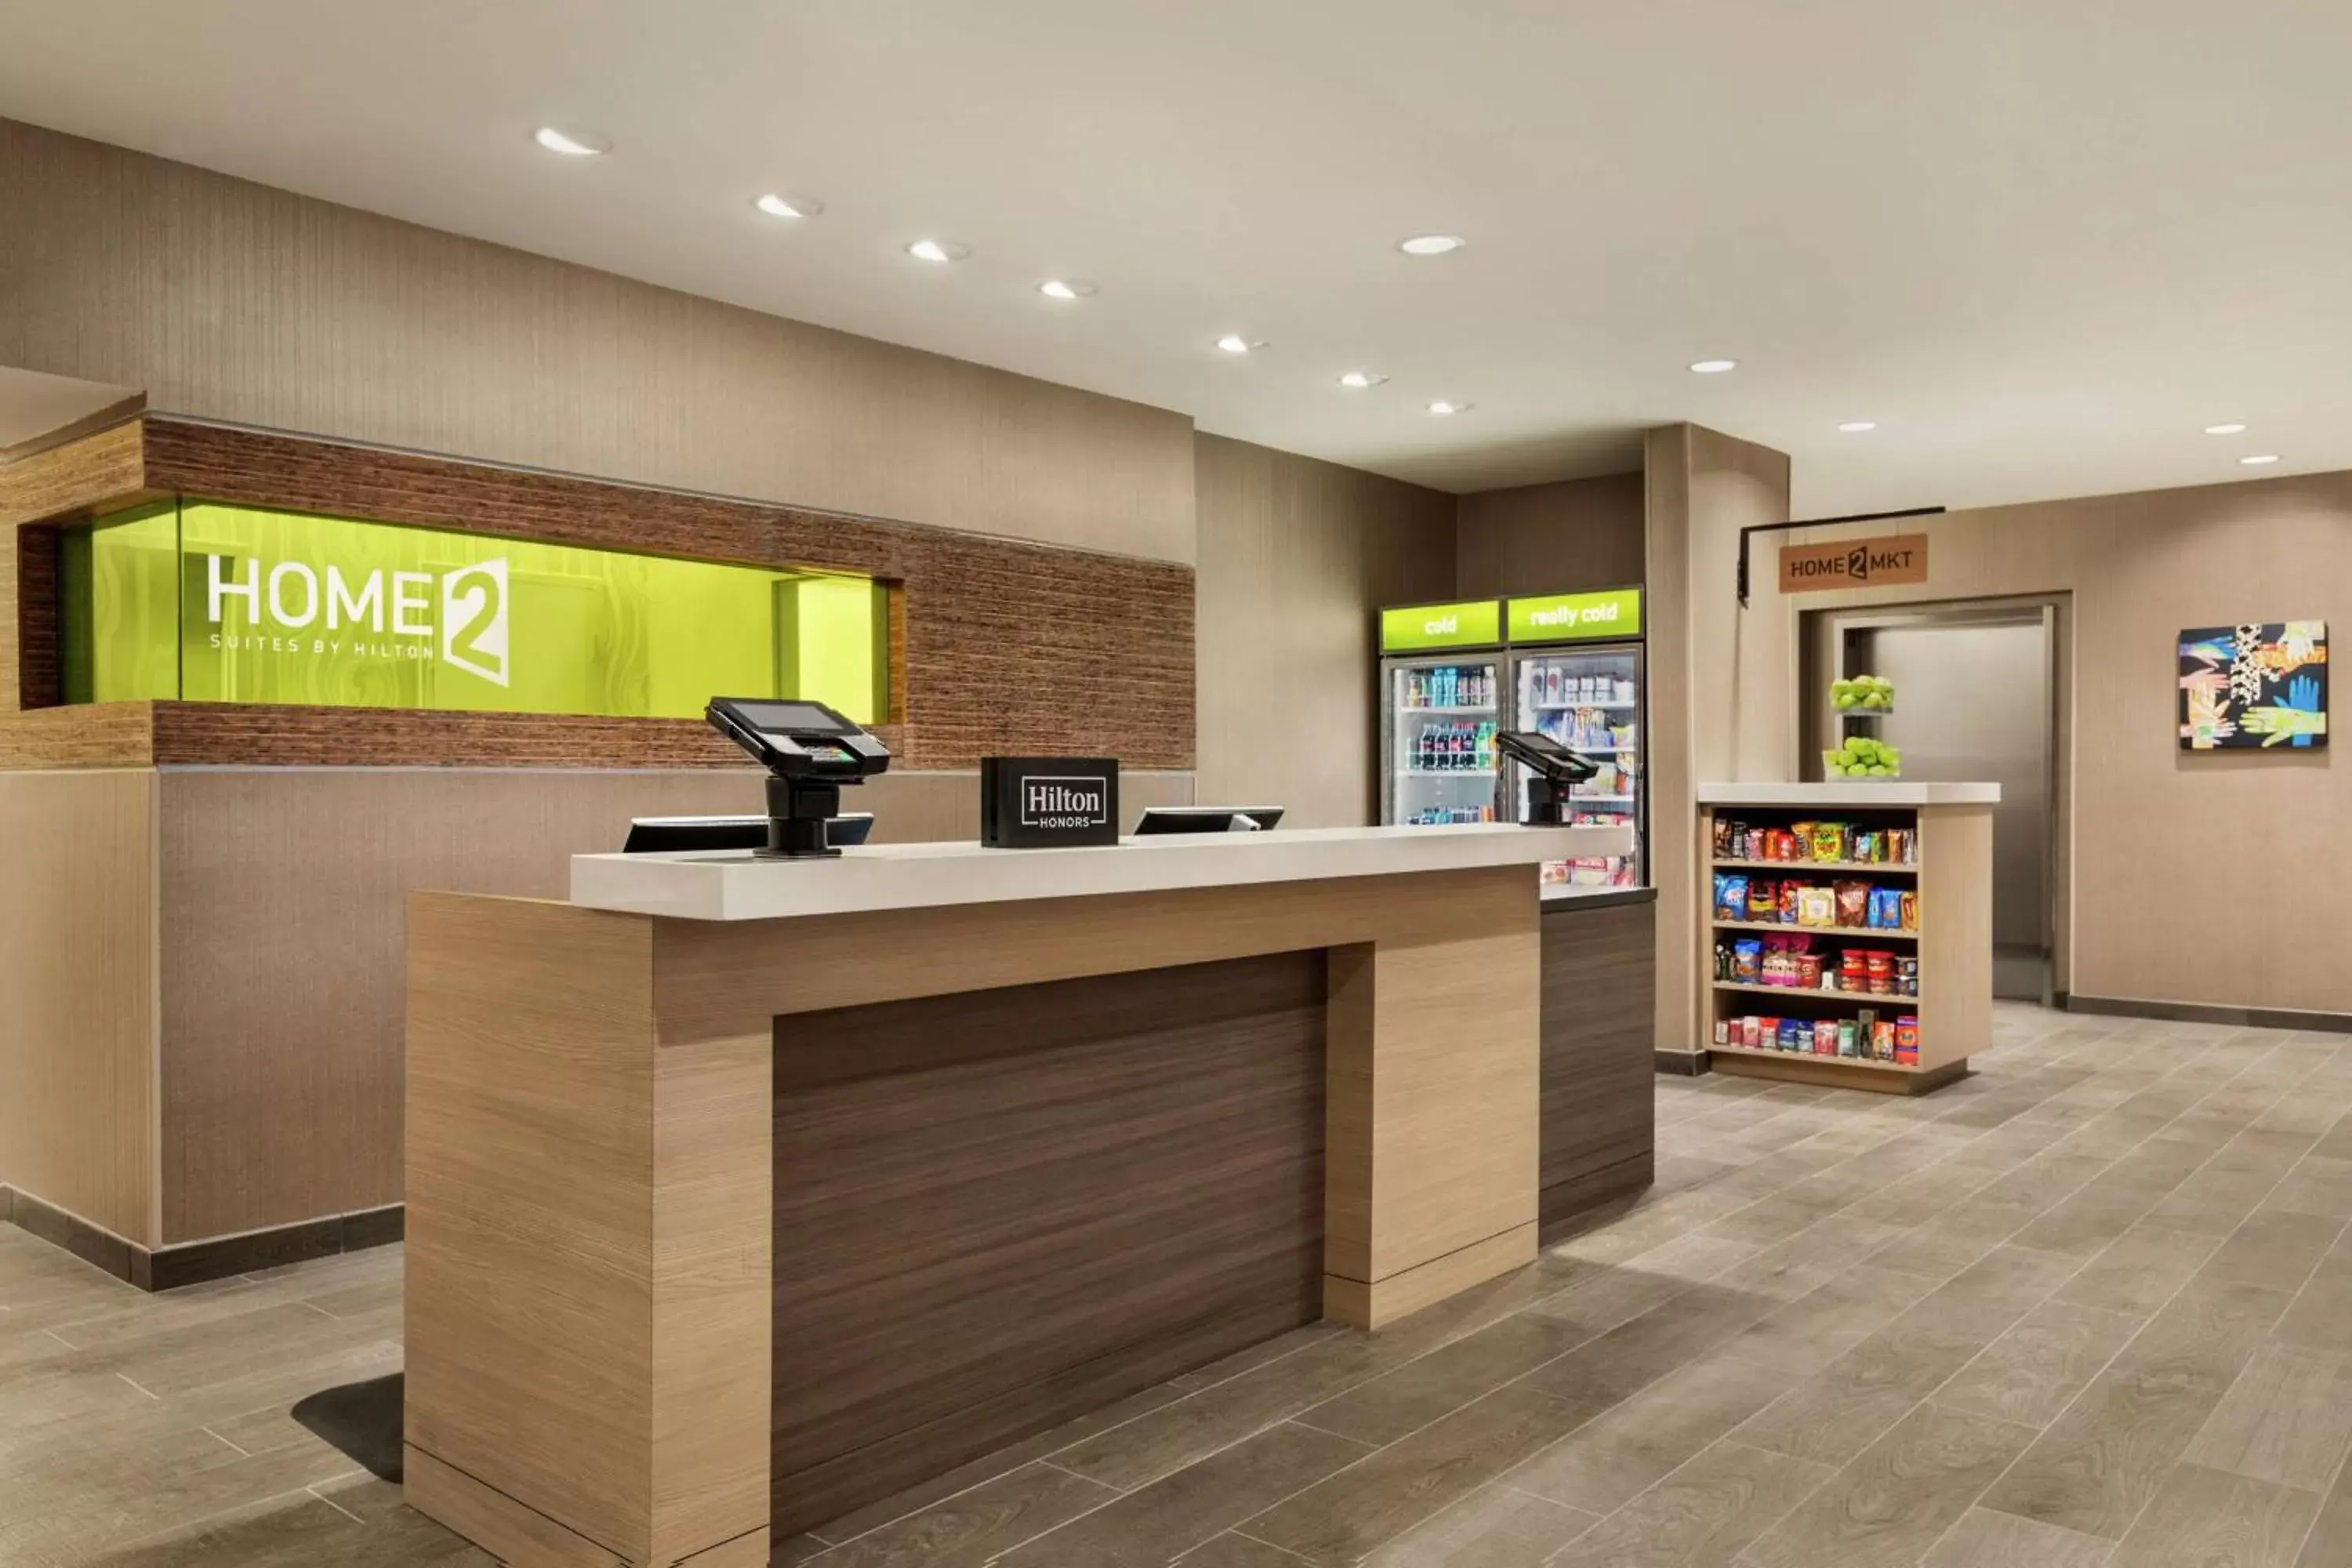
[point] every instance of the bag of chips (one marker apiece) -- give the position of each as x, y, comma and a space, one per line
1730, 896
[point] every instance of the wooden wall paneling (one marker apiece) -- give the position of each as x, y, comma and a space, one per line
718, 975
1600, 1022
713, 1279
1570, 536
1295, 556
77, 479
86, 735
77, 1017
139, 271
39, 663
1086, 1187
1006, 642
1668, 611
532, 1175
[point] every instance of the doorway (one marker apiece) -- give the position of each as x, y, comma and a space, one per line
1976, 698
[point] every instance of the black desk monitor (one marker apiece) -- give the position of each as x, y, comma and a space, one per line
1162, 819
686, 835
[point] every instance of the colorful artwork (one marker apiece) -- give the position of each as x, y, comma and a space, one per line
2253, 686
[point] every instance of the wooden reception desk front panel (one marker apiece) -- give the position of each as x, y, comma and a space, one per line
604, 1341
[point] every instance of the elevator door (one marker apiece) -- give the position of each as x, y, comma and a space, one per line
1974, 700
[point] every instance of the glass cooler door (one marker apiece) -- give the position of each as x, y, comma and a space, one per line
1437, 736
1589, 698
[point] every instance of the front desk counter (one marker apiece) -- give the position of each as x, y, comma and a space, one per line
742, 1194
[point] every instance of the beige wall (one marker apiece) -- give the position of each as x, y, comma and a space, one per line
229, 301
1563, 538
1722, 682
2222, 878
78, 994
1295, 556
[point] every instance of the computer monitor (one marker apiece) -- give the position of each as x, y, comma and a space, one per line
1162, 819
692, 834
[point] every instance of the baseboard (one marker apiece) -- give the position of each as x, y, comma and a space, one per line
1681, 1064
2206, 1012
193, 1262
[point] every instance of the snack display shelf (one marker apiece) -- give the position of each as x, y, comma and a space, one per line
1945, 954
1897, 868
1908, 1003
1590, 702
1878, 933
1866, 1064
1447, 773
1451, 707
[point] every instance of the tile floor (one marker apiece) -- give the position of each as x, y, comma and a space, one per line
2089, 1308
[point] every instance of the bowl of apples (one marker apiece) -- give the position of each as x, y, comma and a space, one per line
1864, 758
1863, 694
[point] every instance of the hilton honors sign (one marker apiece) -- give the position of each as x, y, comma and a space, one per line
1884, 563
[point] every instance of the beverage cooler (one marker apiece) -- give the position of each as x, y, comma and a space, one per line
1576, 673
1440, 702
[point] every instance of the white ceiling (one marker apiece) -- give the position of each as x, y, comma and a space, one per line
2045, 242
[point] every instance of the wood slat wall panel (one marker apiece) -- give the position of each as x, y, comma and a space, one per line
88, 735
997, 1211
1600, 1116
1009, 647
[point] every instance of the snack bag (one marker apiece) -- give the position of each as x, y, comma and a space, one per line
1791, 897
1816, 906
1730, 896
1908, 910
1793, 1034
1825, 1036
1882, 1040
1847, 1037
1828, 842
1763, 900
1747, 960
1723, 829
1852, 903
1884, 909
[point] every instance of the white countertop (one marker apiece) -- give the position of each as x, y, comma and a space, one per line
1850, 791
733, 886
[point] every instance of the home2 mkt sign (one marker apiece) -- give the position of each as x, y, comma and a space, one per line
1414, 628
1575, 617
1889, 562
458, 615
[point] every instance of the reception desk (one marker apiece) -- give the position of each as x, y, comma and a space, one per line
742, 1194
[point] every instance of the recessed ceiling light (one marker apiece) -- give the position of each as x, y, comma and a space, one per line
1064, 288
2259, 459
1447, 406
775, 206
570, 144
2225, 429
1858, 427
1714, 366
1359, 378
938, 250
1235, 344
1431, 244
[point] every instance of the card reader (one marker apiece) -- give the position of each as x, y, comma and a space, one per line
810, 752
1556, 768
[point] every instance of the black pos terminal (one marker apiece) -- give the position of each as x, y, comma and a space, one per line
810, 752
1556, 768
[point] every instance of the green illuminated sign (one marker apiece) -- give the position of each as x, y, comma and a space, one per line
1569, 617
208, 601
1413, 627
